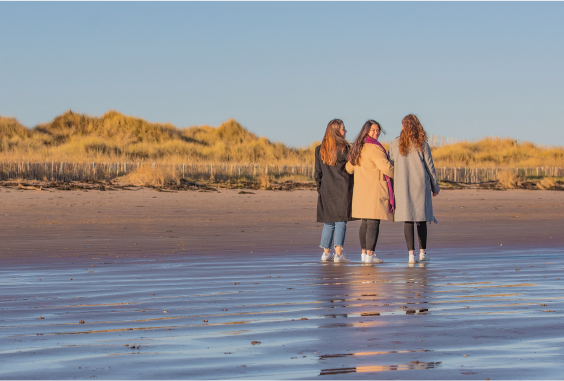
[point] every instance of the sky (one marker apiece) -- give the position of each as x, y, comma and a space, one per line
285, 69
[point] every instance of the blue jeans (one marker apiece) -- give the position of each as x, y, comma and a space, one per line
332, 230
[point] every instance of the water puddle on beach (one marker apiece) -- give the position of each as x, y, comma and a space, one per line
211, 318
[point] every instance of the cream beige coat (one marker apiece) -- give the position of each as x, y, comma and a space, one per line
371, 198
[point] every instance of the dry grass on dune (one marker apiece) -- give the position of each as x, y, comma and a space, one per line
159, 176
150, 176
74, 137
495, 152
114, 137
547, 183
10, 128
509, 180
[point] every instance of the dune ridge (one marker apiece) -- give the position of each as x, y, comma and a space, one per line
115, 137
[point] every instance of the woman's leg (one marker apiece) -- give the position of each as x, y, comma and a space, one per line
372, 232
410, 241
362, 235
340, 232
409, 236
422, 233
372, 235
327, 236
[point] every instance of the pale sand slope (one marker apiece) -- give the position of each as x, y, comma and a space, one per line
46, 225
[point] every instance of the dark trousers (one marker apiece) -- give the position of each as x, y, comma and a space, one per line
409, 234
368, 234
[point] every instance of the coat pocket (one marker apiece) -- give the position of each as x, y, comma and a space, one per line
383, 191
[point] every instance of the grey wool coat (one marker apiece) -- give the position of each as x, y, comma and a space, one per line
414, 180
334, 189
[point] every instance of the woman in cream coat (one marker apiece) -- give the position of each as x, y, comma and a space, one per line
371, 200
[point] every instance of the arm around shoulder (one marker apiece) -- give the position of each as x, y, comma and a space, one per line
381, 161
349, 167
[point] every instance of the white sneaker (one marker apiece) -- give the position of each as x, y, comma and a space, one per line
423, 257
340, 258
372, 259
326, 257
413, 259
362, 257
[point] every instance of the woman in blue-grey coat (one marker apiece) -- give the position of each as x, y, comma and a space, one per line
415, 183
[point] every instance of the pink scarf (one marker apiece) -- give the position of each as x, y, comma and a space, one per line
370, 140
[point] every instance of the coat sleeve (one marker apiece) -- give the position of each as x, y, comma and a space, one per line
430, 167
349, 167
381, 161
318, 174
391, 154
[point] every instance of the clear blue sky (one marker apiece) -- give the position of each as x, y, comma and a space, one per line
284, 70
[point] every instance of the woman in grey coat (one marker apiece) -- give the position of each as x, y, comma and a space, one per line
415, 183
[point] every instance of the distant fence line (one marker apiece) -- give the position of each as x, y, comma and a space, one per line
60, 171
483, 175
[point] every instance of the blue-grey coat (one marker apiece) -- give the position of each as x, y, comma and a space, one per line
415, 179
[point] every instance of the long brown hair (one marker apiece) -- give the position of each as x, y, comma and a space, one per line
356, 148
332, 142
412, 135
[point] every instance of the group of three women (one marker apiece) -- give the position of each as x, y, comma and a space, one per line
355, 182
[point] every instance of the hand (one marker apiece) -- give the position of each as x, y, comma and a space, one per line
434, 194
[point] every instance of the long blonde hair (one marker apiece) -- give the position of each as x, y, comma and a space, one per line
332, 142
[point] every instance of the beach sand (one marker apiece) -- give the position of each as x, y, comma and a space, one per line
51, 225
224, 285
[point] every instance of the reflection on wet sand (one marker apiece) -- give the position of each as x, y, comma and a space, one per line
205, 317
370, 289
324, 357
416, 365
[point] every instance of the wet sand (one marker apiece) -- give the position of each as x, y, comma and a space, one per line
190, 302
